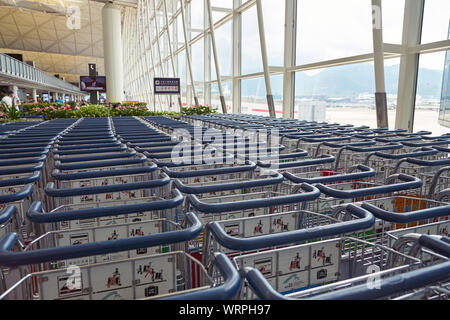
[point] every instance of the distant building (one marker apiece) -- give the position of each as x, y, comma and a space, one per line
444, 112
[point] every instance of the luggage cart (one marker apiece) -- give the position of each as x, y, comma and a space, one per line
150, 276
384, 163
424, 169
347, 192
244, 205
361, 275
400, 212
241, 236
349, 156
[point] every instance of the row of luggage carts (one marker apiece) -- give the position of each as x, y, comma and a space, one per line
162, 208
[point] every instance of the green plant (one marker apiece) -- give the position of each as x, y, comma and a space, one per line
11, 112
91, 111
200, 110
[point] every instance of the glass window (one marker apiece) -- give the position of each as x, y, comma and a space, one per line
429, 89
224, 51
330, 29
227, 93
436, 17
254, 95
251, 61
342, 94
274, 16
393, 12
198, 61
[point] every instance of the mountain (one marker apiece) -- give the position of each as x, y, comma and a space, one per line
346, 81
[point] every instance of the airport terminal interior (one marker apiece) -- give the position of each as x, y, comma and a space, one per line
228, 150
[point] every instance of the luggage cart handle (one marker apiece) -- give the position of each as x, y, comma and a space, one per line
106, 173
35, 214
426, 144
317, 139
99, 150
408, 182
422, 152
424, 163
260, 286
249, 166
107, 163
407, 217
226, 291
22, 161
6, 213
392, 146
323, 159
275, 178
95, 157
11, 259
44, 152
21, 181
342, 145
365, 172
402, 282
311, 193
17, 196
366, 220
50, 189
36, 167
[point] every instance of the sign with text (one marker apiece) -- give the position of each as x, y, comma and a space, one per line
166, 85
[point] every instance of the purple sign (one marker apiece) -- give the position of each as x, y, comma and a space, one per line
166, 85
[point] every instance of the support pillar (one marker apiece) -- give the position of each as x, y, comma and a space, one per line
409, 65
378, 49
34, 95
112, 50
262, 39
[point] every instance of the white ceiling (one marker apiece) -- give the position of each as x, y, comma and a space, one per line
27, 27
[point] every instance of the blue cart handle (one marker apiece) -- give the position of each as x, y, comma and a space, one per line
424, 163
95, 157
151, 167
400, 140
323, 159
392, 146
51, 191
89, 146
366, 220
108, 163
99, 150
311, 193
17, 196
343, 145
407, 217
248, 166
11, 259
408, 182
226, 291
274, 178
6, 213
7, 163
365, 172
422, 152
426, 144
316, 139
439, 244
18, 170
21, 181
24, 154
35, 214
